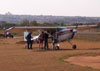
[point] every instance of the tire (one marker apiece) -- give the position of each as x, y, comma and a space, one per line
57, 48
11, 36
74, 47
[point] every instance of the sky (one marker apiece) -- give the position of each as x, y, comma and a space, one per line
52, 7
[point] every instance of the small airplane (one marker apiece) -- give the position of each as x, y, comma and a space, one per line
59, 34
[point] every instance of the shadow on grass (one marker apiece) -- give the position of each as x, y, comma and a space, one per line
37, 49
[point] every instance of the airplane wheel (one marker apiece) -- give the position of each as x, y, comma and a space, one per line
74, 47
57, 48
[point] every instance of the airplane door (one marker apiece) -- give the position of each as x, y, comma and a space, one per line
25, 35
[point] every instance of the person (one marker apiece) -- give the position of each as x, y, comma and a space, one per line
46, 36
41, 40
29, 41
7, 34
54, 41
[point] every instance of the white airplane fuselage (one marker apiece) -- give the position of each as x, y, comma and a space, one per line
66, 34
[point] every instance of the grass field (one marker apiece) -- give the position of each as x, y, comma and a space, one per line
14, 56
88, 36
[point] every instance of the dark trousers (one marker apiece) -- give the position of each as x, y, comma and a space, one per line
46, 44
29, 44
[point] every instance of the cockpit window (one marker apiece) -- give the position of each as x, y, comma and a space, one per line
61, 28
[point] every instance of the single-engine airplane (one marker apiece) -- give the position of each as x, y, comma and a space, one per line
58, 34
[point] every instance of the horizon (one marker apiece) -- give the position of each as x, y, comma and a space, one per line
42, 15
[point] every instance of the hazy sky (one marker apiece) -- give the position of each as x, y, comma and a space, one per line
51, 7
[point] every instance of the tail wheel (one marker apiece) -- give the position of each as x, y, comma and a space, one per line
74, 47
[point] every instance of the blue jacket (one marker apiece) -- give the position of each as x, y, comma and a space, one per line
29, 37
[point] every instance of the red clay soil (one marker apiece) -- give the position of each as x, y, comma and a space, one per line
14, 56
85, 61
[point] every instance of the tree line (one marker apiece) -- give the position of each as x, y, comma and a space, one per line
28, 23
4, 25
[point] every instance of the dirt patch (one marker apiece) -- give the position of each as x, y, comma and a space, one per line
88, 61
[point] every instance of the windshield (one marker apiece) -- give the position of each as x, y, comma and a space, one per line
61, 28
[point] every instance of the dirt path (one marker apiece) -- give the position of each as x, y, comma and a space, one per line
85, 61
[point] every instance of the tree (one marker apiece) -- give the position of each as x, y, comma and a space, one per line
34, 23
98, 25
62, 24
56, 24
25, 23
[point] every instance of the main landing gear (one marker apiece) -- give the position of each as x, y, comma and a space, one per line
55, 45
73, 46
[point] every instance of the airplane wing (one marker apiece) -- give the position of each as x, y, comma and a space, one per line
50, 30
17, 29
81, 27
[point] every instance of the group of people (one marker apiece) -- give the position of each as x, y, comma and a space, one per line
43, 40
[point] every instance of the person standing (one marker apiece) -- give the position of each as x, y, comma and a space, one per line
41, 40
29, 41
46, 36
